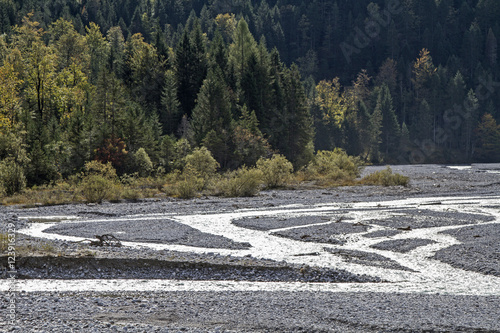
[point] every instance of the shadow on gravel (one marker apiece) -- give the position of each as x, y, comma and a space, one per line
124, 268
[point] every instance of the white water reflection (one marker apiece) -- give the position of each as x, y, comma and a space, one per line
125, 285
460, 167
427, 275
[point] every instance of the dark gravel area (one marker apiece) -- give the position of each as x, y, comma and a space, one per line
367, 259
328, 233
479, 251
268, 223
235, 269
254, 312
402, 245
382, 233
151, 231
423, 218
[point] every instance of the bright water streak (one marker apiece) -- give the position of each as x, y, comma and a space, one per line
428, 276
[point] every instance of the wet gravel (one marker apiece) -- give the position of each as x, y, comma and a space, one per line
382, 233
233, 269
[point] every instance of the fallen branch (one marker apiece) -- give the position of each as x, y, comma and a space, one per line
106, 240
103, 240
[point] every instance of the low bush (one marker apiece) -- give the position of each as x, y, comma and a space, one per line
99, 182
188, 183
96, 188
12, 179
243, 182
103, 169
142, 163
276, 171
202, 162
385, 178
329, 167
130, 194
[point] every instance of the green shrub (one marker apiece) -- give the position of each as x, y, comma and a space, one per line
243, 182
182, 148
99, 182
386, 178
97, 168
189, 183
12, 179
333, 166
202, 162
142, 163
96, 188
276, 171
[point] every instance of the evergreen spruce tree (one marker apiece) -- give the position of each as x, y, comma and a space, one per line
296, 132
242, 48
212, 117
375, 133
191, 67
170, 113
390, 125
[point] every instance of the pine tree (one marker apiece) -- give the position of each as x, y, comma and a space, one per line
296, 133
491, 49
470, 120
170, 113
422, 126
488, 139
191, 67
242, 48
212, 117
375, 133
218, 52
116, 51
390, 125
98, 50
146, 73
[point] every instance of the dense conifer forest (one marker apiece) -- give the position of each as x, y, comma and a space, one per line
141, 83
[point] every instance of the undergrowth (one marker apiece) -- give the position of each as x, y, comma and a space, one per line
200, 176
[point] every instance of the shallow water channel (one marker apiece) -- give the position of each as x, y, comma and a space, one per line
422, 274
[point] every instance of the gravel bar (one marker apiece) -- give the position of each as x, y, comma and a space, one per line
261, 311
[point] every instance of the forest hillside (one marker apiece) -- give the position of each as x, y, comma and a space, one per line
141, 83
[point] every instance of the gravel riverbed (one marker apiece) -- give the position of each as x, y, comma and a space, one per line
474, 249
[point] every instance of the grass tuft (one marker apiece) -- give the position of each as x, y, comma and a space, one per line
385, 178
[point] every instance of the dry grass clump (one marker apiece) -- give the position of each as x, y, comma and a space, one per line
385, 178
243, 182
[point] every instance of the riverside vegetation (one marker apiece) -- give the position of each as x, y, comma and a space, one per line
199, 176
